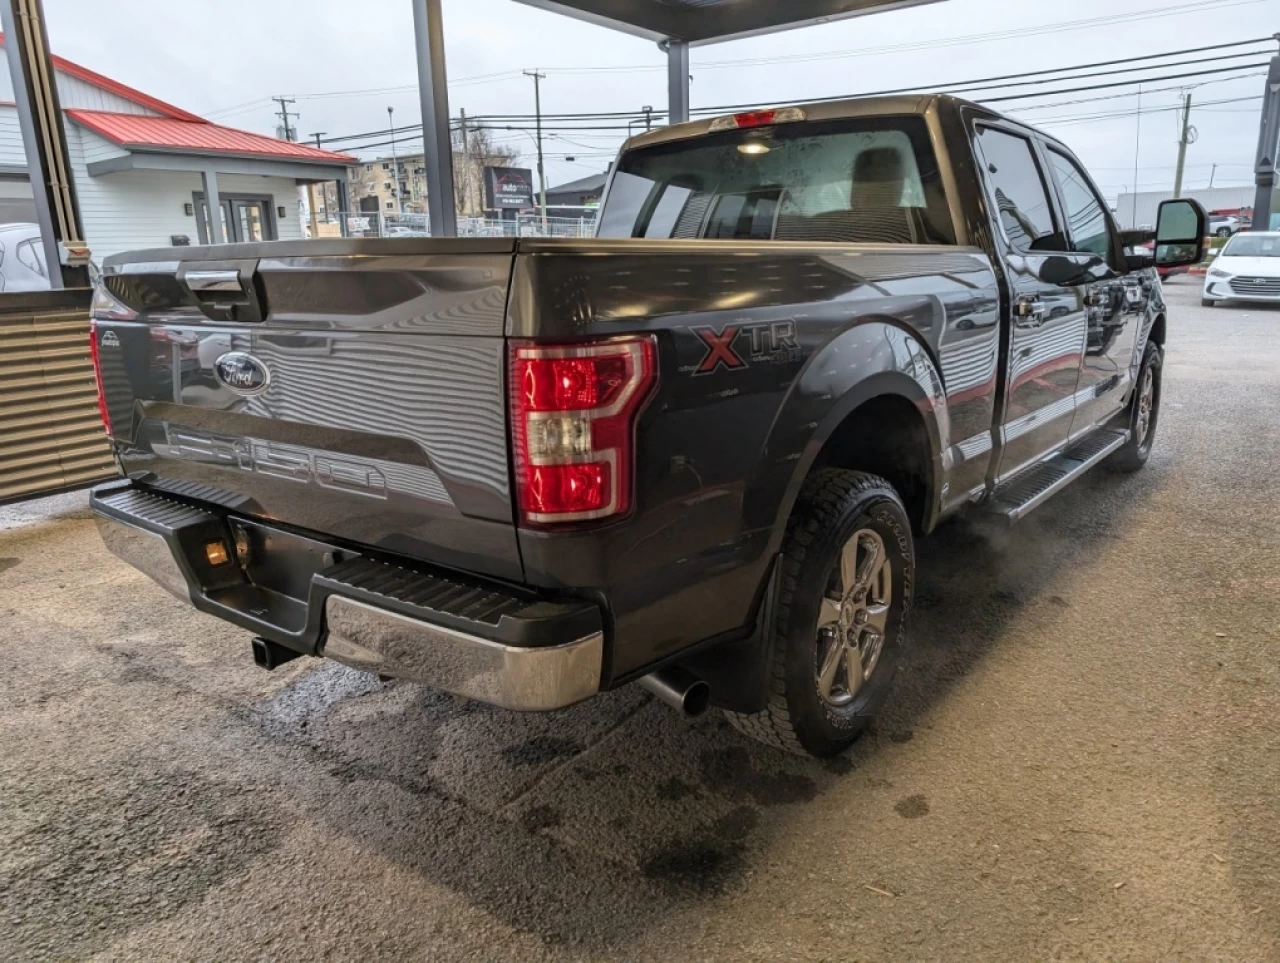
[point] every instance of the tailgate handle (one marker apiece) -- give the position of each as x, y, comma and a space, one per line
225, 290
214, 281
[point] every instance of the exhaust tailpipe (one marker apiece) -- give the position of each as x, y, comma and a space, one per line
271, 655
680, 689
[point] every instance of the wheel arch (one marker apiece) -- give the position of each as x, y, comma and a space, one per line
891, 371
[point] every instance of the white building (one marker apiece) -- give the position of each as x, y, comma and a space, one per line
143, 167
1213, 199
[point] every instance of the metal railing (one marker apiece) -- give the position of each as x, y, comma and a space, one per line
379, 224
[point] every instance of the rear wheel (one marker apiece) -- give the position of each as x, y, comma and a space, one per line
848, 571
1144, 413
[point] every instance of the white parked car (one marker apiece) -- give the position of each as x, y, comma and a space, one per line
1223, 225
22, 266
1247, 269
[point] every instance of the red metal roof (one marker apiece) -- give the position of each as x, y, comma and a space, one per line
119, 89
200, 136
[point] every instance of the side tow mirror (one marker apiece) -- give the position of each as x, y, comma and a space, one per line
1181, 227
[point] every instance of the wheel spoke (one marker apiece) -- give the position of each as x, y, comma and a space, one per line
830, 665
873, 558
829, 613
878, 617
854, 673
849, 565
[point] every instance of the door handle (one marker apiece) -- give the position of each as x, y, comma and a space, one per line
1029, 311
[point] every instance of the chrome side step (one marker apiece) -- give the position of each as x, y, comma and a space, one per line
1028, 490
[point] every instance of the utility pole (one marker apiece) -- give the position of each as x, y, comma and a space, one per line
1268, 135
311, 196
466, 164
648, 117
395, 163
1188, 137
285, 114
1137, 150
542, 175
1212, 174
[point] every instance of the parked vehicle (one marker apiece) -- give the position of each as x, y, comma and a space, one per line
1223, 225
695, 452
22, 266
1246, 269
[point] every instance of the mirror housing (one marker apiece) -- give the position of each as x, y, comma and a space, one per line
1069, 271
1181, 227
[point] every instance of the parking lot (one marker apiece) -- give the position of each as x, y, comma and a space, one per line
1082, 760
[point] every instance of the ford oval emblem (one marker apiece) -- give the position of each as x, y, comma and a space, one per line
242, 372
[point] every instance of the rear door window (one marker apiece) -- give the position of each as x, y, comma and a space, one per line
1087, 224
874, 180
1017, 191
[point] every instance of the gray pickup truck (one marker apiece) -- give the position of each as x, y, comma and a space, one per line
693, 452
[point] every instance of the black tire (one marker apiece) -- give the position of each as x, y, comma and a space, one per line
1208, 303
1137, 449
1224, 232
833, 507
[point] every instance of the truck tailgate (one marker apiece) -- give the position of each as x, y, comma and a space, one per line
352, 388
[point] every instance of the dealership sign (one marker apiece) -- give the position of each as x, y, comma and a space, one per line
508, 187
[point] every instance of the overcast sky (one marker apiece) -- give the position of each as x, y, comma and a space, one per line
224, 59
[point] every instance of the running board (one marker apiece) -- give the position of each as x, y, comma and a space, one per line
1032, 487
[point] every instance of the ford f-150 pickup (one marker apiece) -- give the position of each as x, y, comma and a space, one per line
693, 452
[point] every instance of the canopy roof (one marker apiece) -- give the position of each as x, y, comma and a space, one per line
710, 21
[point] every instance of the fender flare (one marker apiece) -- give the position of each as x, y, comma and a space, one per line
907, 370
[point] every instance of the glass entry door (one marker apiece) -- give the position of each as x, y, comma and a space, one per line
244, 219
250, 220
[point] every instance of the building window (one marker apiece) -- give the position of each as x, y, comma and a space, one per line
386, 185
368, 167
391, 205
386, 166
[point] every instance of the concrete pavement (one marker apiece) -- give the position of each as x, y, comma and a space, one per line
1082, 760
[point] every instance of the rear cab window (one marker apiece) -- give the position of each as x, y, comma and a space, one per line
868, 180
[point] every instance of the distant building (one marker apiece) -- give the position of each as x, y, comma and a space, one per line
1213, 199
375, 186
584, 192
141, 166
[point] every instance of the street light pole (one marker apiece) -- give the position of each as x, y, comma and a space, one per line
538, 76
395, 163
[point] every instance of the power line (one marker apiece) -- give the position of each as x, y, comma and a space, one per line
944, 88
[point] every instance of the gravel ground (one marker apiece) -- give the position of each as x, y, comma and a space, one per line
1082, 761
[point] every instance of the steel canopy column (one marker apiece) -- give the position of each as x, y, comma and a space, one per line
428, 31
1268, 147
214, 203
677, 81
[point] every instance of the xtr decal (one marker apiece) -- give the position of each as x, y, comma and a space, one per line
772, 342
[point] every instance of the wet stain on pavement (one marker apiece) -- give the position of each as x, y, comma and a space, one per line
913, 807
674, 789
838, 765
1059, 601
541, 817
731, 771
8, 563
905, 735
735, 826
541, 750
698, 864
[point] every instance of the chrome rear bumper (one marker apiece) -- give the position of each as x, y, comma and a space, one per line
531, 679
464, 636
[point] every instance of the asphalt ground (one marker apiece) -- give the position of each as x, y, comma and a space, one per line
1081, 760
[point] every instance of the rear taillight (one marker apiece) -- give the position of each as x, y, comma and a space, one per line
103, 413
574, 409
